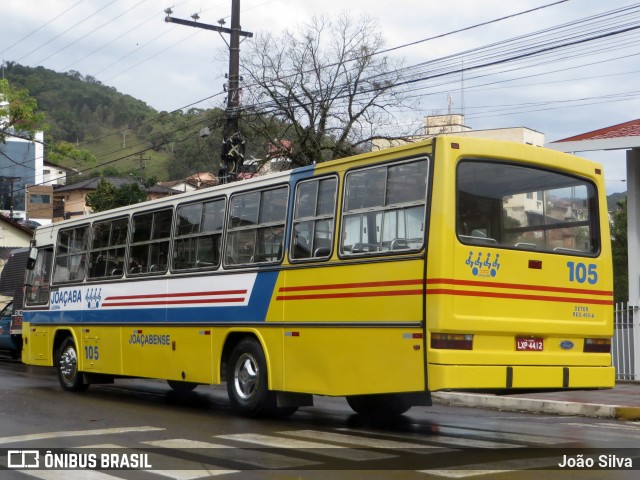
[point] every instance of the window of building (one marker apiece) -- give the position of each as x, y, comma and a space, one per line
40, 198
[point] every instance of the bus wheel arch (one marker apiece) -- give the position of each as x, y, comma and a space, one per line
67, 363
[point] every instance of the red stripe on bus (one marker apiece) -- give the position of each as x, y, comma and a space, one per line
514, 296
171, 295
324, 296
336, 286
173, 302
516, 286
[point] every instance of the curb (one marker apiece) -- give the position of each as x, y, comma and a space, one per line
554, 407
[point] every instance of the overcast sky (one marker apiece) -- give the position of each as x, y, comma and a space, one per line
564, 92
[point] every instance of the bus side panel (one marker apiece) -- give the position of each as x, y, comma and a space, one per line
354, 329
169, 352
36, 345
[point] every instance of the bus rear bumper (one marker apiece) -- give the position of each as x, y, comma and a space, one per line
468, 377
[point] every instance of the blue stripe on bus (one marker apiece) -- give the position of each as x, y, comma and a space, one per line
255, 311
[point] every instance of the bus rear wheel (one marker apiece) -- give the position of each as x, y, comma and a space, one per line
247, 380
67, 364
384, 405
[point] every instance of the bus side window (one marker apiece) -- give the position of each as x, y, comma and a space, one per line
106, 255
71, 255
384, 209
37, 279
314, 219
149, 247
255, 232
198, 235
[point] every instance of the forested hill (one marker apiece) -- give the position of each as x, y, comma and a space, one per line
125, 134
77, 107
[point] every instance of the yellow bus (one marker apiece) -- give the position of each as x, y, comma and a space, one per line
453, 263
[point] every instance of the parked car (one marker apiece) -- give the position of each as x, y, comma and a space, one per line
30, 224
10, 332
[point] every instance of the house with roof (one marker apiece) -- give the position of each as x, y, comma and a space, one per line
70, 201
622, 136
192, 182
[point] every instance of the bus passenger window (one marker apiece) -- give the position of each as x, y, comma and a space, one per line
198, 235
37, 282
313, 219
149, 249
256, 227
106, 255
389, 219
71, 255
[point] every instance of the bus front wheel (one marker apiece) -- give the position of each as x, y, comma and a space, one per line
67, 363
247, 381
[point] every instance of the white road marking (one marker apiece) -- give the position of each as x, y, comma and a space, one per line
68, 474
324, 449
355, 440
74, 433
256, 458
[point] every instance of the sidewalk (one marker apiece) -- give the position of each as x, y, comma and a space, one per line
621, 402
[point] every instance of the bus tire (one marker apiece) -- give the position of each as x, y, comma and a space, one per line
69, 376
247, 380
383, 405
182, 387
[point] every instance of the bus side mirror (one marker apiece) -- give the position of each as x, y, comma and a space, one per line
33, 256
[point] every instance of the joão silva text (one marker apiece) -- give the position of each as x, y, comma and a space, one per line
604, 461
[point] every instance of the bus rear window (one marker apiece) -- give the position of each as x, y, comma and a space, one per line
521, 207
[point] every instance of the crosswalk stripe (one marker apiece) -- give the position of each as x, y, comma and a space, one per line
356, 440
633, 426
505, 466
334, 451
191, 474
265, 460
74, 433
445, 440
68, 474
506, 436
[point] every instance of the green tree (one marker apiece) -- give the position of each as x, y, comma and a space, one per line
620, 253
19, 118
107, 196
18, 112
325, 87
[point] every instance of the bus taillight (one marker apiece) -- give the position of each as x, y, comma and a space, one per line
452, 341
597, 345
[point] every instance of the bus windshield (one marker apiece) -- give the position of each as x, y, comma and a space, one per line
521, 207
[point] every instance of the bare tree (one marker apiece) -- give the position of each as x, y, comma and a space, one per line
323, 89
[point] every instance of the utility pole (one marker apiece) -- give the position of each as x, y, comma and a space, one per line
232, 141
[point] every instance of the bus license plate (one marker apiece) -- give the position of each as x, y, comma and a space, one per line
529, 344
